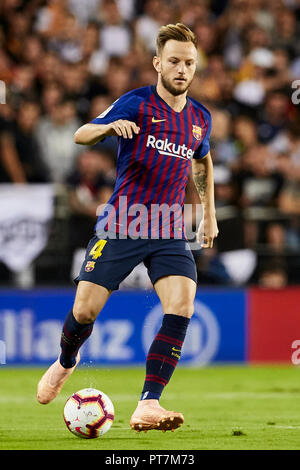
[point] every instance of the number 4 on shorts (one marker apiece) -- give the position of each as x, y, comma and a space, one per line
96, 251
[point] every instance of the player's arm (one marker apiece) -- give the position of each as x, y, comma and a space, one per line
90, 134
203, 176
118, 120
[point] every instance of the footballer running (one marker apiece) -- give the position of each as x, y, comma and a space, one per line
162, 134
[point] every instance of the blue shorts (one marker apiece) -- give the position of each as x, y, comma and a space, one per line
108, 262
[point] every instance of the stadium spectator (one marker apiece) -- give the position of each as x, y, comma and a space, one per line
288, 142
21, 155
210, 269
88, 187
84, 10
259, 185
223, 145
67, 44
147, 26
245, 133
92, 52
206, 35
289, 198
273, 276
33, 50
118, 82
55, 135
49, 69
51, 18
23, 84
51, 96
274, 118
98, 105
286, 32
18, 28
115, 34
193, 11
239, 260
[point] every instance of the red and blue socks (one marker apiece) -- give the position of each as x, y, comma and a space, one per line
164, 355
73, 336
162, 358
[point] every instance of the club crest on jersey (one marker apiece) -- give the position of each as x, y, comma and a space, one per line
197, 132
89, 266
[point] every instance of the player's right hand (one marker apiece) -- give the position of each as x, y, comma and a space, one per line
208, 230
123, 128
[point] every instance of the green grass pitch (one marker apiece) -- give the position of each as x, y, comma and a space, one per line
224, 408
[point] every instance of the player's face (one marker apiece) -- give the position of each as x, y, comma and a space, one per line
176, 66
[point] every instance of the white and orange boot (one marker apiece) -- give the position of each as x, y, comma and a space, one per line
150, 415
53, 380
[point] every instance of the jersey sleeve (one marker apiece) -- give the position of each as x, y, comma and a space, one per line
123, 108
204, 147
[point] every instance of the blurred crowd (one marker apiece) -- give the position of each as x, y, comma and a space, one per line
65, 61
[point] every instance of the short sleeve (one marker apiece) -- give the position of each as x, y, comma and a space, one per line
204, 147
123, 108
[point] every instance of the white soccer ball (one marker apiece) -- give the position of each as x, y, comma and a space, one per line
89, 413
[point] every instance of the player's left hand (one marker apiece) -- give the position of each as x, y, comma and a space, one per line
207, 231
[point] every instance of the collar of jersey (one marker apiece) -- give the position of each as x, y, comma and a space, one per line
153, 88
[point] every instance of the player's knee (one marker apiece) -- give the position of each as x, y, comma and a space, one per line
85, 313
183, 308
186, 310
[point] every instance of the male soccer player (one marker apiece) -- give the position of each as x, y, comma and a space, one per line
162, 133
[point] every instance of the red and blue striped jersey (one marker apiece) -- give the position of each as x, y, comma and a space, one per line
153, 166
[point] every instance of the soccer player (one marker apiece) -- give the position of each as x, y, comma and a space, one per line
162, 134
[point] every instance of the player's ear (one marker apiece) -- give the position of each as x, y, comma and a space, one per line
157, 63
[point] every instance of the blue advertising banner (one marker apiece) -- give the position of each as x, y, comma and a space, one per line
31, 324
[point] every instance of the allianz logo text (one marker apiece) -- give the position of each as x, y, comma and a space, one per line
165, 147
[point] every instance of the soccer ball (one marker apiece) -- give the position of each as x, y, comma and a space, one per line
89, 413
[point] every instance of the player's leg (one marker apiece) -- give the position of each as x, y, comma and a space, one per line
176, 294
106, 265
89, 301
172, 270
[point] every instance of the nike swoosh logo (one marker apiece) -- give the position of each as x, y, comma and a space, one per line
174, 349
157, 120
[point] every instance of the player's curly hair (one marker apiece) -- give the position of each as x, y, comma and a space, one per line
178, 32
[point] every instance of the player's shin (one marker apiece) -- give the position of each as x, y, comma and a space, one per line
164, 355
73, 336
